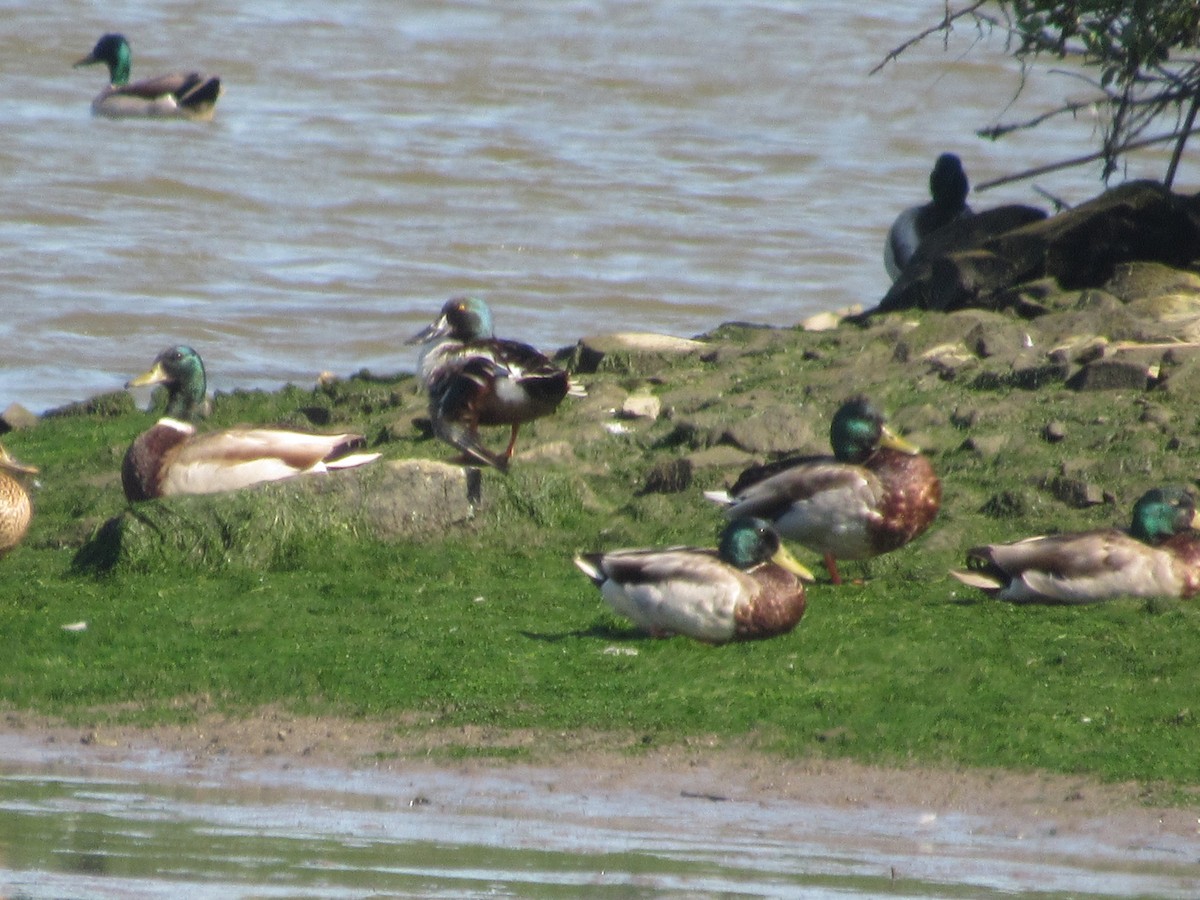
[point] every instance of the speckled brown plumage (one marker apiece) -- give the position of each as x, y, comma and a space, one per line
912, 496
874, 495
777, 608
16, 510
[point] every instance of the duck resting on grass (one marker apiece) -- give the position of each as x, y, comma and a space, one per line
1159, 556
16, 511
188, 96
474, 378
173, 458
948, 187
748, 588
874, 495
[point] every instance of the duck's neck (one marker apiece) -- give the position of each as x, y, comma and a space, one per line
185, 401
118, 69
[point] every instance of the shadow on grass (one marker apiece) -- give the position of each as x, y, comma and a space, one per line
601, 632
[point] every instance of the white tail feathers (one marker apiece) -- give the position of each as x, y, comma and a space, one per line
352, 460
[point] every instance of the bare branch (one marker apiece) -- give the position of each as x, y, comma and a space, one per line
1081, 160
945, 25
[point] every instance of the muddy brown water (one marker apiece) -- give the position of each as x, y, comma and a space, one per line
585, 165
80, 821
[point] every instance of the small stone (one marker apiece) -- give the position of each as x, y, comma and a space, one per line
822, 321
1110, 374
1054, 432
641, 406
17, 418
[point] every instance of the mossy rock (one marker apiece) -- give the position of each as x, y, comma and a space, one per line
281, 524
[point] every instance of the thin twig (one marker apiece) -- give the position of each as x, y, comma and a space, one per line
945, 24
1080, 160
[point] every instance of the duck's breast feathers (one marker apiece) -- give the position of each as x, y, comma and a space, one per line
1081, 567
776, 606
149, 456
912, 497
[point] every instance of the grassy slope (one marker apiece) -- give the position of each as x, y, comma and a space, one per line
493, 625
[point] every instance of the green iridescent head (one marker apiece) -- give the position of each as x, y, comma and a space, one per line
113, 51
857, 431
1161, 513
181, 372
747, 542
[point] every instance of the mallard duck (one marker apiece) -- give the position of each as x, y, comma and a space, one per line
1158, 557
874, 495
948, 186
173, 458
190, 96
475, 379
749, 587
15, 509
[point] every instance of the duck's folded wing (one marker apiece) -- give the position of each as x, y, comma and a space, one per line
175, 84
772, 497
238, 457
1081, 567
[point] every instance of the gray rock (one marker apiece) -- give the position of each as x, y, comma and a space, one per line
260, 526
17, 418
1110, 374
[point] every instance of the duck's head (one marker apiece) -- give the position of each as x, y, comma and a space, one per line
181, 372
113, 51
746, 542
12, 464
462, 318
858, 431
948, 183
1161, 513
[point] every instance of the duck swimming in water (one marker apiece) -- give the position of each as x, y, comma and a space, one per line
188, 96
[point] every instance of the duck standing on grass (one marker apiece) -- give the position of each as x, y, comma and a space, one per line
178, 95
172, 458
948, 186
874, 495
16, 510
748, 588
475, 379
1158, 557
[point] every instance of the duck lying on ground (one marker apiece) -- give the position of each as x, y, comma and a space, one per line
172, 457
750, 587
1159, 556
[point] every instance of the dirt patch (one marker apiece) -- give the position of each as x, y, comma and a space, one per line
704, 769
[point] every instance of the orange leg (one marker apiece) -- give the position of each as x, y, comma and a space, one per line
512, 442
831, 566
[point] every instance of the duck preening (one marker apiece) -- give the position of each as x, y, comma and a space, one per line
173, 457
948, 187
474, 378
749, 587
1159, 556
179, 95
874, 495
